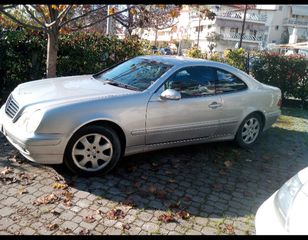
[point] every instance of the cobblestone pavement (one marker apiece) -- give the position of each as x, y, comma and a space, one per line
204, 189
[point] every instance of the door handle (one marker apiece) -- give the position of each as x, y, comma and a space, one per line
215, 105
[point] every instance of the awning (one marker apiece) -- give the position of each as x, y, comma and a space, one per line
301, 10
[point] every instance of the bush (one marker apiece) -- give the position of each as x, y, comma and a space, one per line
289, 73
23, 54
195, 53
236, 58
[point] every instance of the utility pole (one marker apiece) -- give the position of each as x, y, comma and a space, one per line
243, 25
198, 31
108, 29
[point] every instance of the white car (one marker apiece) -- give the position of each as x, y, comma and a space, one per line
286, 211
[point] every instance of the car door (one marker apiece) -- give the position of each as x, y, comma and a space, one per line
193, 116
232, 91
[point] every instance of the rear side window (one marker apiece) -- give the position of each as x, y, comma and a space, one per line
227, 82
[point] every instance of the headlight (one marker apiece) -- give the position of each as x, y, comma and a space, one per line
286, 195
30, 120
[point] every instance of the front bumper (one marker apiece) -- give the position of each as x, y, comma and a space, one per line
268, 220
40, 148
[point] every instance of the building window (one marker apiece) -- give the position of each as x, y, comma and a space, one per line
209, 26
280, 8
234, 30
276, 27
222, 29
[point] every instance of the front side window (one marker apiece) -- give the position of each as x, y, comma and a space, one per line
227, 82
193, 81
136, 73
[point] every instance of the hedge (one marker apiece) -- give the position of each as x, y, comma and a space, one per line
23, 54
289, 73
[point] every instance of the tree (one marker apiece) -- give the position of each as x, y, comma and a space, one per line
143, 16
53, 20
212, 39
202, 12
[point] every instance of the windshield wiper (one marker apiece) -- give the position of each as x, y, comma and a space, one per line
118, 84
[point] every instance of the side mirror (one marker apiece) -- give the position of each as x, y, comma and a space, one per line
170, 94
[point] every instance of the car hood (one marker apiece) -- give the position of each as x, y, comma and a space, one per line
65, 89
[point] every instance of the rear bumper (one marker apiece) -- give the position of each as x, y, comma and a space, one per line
40, 148
271, 118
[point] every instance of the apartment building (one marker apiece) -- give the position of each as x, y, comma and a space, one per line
265, 25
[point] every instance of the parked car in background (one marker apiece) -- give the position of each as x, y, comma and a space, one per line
165, 51
146, 103
286, 211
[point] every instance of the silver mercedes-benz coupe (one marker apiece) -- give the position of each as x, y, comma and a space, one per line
146, 103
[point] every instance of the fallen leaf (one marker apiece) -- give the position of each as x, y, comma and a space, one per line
229, 229
222, 172
58, 185
129, 203
161, 194
183, 214
15, 159
51, 198
167, 217
22, 191
131, 168
52, 227
115, 214
171, 180
175, 205
143, 193
7, 170
152, 189
89, 219
154, 164
137, 184
67, 230
54, 212
228, 163
84, 232
126, 226
266, 157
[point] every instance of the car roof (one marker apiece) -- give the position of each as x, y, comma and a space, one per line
174, 60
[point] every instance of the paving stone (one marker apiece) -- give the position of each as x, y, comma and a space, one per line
150, 227
70, 225
6, 211
81, 194
9, 201
192, 232
112, 231
89, 226
27, 231
67, 215
145, 216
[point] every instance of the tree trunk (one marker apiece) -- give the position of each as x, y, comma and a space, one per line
155, 43
52, 53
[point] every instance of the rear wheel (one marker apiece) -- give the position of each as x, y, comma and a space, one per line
249, 131
93, 150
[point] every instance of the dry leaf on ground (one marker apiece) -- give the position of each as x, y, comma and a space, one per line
228, 163
166, 217
7, 170
115, 214
183, 214
89, 219
52, 227
58, 185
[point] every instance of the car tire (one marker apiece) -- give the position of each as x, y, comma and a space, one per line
249, 131
93, 150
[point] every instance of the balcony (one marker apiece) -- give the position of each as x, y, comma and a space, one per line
240, 16
295, 22
237, 36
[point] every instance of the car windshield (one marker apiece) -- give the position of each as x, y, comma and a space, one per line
137, 73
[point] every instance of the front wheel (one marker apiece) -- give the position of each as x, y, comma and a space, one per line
93, 150
249, 131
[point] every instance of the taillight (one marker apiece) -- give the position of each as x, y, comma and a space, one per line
279, 103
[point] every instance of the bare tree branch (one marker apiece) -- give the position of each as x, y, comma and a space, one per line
19, 22
64, 13
98, 21
81, 16
32, 15
38, 8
